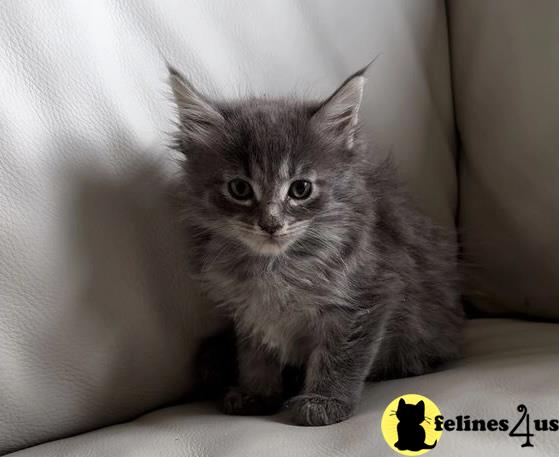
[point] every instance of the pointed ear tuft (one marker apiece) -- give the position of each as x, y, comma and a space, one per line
198, 117
339, 113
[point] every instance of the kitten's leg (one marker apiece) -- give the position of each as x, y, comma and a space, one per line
260, 383
420, 347
215, 366
335, 376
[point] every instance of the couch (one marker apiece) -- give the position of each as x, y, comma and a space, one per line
98, 320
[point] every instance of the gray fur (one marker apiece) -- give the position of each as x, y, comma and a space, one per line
354, 285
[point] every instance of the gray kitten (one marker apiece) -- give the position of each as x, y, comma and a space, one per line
305, 239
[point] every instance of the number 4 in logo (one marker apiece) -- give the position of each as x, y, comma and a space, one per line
525, 417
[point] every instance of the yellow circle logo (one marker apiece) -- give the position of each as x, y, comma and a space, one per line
408, 424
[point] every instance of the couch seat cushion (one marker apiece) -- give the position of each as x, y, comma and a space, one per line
507, 363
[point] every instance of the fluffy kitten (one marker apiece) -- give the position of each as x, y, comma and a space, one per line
304, 238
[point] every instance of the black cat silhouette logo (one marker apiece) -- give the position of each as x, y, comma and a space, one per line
408, 426
411, 434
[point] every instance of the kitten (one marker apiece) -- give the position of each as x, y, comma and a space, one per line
411, 434
304, 238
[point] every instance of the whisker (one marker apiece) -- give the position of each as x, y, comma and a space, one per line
207, 268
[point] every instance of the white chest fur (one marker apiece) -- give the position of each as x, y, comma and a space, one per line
270, 312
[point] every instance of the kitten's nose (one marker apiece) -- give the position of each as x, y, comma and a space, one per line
270, 220
270, 227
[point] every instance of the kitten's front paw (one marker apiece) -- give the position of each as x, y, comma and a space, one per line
240, 403
318, 410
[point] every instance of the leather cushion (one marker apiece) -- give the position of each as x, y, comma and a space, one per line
506, 85
507, 363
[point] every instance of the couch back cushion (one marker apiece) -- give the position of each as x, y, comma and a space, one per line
505, 63
97, 317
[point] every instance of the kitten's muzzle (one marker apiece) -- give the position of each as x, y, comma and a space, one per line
270, 227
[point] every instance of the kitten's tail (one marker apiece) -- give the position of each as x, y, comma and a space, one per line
429, 446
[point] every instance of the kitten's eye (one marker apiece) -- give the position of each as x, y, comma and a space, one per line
240, 189
300, 189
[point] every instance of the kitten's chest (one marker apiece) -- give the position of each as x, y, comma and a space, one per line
270, 312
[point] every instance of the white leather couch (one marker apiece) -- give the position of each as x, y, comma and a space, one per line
98, 322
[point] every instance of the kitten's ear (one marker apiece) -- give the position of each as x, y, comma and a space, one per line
421, 406
339, 112
198, 117
401, 403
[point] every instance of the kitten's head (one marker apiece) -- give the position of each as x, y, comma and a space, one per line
270, 173
410, 413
